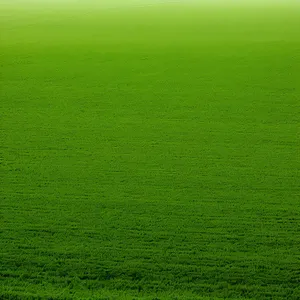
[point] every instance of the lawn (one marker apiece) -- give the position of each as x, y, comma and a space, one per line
149, 151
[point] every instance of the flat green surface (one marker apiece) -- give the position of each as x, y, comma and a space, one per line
150, 153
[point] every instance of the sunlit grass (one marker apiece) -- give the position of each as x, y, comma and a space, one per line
149, 151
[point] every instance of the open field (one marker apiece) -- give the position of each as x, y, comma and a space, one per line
149, 151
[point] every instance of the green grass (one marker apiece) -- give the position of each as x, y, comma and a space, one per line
150, 152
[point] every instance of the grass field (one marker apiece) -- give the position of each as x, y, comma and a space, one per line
149, 151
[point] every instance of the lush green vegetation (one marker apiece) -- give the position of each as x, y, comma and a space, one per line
151, 152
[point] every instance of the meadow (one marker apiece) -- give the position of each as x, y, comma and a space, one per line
149, 151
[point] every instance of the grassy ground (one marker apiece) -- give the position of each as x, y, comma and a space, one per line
150, 153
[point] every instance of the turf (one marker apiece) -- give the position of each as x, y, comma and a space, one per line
150, 151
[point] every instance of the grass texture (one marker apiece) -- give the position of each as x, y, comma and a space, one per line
150, 151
